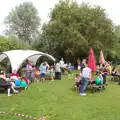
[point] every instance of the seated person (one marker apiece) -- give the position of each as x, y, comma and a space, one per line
6, 84
98, 80
113, 72
118, 72
25, 79
15, 75
77, 81
4, 77
24, 84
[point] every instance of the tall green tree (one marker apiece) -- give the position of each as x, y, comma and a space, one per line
74, 28
115, 49
23, 21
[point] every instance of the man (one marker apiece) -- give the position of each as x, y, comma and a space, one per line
62, 65
86, 75
57, 71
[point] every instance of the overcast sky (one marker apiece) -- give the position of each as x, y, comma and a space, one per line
112, 8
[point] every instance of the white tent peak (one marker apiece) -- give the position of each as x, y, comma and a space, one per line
17, 57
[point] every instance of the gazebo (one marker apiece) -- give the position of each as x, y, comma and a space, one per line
17, 57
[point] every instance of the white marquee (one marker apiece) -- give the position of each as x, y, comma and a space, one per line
17, 57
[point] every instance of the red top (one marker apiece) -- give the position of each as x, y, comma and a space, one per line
25, 79
15, 74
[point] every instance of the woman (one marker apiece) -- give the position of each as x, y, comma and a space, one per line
6, 84
83, 64
43, 69
15, 75
104, 75
29, 71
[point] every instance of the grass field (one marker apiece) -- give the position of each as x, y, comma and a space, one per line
60, 99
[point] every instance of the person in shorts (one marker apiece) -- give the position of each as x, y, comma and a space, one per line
43, 69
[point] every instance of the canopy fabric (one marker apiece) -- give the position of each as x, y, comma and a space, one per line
91, 61
17, 57
101, 59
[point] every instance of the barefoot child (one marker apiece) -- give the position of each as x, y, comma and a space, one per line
77, 82
69, 69
52, 73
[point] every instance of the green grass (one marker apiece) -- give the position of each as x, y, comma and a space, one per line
60, 99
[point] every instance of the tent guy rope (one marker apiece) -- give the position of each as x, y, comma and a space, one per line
26, 116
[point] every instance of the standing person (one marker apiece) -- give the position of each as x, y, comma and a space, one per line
47, 66
78, 64
57, 71
104, 75
77, 82
62, 66
29, 71
43, 69
52, 74
86, 75
83, 64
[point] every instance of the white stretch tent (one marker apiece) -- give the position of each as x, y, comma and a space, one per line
17, 57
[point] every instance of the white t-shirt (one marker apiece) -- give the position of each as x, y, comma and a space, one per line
86, 72
62, 63
57, 67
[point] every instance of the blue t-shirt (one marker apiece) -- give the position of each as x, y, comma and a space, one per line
43, 69
71, 67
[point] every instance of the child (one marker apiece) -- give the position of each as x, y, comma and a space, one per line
69, 69
101, 77
52, 74
43, 71
35, 75
24, 84
77, 82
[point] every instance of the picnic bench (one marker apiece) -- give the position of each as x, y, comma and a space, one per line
95, 87
116, 78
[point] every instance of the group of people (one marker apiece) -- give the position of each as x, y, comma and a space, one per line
86, 76
12, 81
33, 74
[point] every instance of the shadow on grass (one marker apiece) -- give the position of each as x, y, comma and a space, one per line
88, 90
73, 89
3, 91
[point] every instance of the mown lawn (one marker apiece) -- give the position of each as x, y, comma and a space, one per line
62, 102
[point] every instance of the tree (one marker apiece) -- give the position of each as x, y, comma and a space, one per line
74, 28
11, 43
23, 21
115, 50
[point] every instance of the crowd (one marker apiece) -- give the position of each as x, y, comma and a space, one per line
86, 76
33, 74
